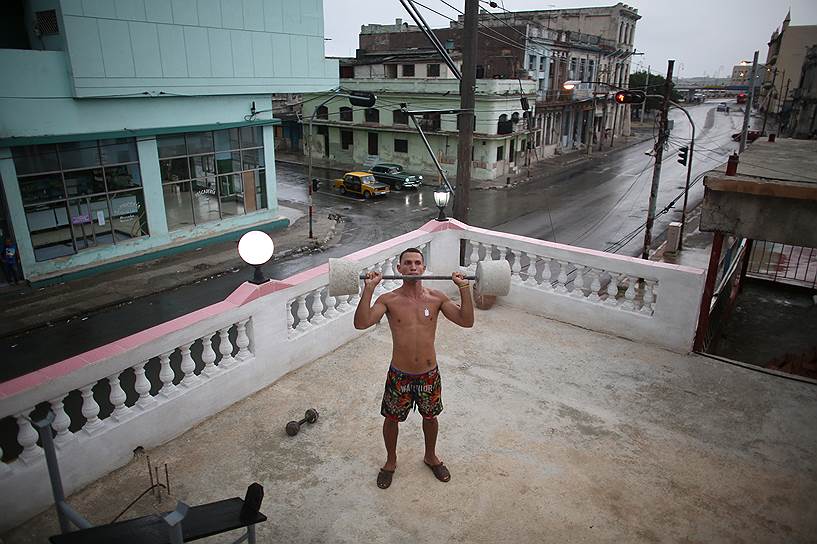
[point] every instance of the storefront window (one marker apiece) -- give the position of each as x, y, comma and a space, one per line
80, 195
208, 176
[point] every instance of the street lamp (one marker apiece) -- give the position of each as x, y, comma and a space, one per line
356, 98
256, 248
441, 197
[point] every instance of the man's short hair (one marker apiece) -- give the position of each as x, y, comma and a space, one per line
411, 250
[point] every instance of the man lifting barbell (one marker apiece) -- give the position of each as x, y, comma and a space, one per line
413, 377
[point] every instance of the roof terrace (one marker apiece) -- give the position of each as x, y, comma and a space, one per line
573, 414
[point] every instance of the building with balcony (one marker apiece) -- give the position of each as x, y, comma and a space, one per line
742, 72
132, 129
573, 411
784, 63
422, 81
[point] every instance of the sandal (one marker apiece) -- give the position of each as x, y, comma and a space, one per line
440, 471
384, 478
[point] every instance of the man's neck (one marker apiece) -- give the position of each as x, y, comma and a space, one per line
412, 288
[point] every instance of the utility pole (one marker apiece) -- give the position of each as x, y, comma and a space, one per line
659, 155
465, 145
646, 91
591, 120
748, 110
768, 101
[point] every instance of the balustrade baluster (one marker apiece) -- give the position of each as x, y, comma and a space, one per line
649, 297
386, 269
187, 366
502, 252
343, 303
242, 340
4, 468
612, 289
330, 312
61, 422
629, 295
117, 398
225, 348
90, 410
546, 274
142, 386
303, 314
595, 285
578, 282
473, 258
317, 308
166, 375
561, 280
487, 249
27, 437
530, 281
516, 267
208, 356
290, 318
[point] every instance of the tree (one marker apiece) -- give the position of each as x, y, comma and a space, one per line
638, 81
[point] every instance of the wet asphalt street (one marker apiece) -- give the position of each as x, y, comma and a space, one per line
601, 206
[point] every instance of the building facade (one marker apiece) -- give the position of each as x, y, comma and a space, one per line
803, 121
784, 62
132, 129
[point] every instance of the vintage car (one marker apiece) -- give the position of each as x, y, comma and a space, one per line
361, 183
751, 136
395, 177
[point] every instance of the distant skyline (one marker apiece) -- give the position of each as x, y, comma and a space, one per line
705, 38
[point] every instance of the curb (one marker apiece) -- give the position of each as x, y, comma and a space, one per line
316, 245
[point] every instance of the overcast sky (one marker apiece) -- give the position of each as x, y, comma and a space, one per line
705, 37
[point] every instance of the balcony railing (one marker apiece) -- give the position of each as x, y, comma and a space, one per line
150, 387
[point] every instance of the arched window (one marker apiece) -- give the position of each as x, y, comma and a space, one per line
504, 125
345, 113
322, 112
372, 115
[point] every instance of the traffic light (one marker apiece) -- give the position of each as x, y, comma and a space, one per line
683, 152
630, 97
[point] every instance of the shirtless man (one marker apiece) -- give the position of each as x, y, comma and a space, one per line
413, 378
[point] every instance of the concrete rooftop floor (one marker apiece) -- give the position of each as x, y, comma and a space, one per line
553, 433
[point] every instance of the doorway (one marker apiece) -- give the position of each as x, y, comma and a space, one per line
374, 148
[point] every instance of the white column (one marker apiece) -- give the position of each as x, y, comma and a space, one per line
546, 285
595, 286
225, 348
317, 307
188, 366
90, 410
629, 295
290, 318
530, 281
303, 313
208, 356
142, 386
612, 289
473, 259
27, 437
343, 303
330, 312
243, 341
166, 375
516, 267
117, 398
647, 308
561, 280
578, 282
61, 422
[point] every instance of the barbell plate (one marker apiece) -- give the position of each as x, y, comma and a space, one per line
493, 278
343, 277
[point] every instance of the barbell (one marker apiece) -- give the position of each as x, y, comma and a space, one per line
491, 278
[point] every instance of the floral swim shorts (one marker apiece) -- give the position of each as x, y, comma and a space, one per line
404, 390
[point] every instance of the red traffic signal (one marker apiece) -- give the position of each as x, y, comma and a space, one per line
630, 97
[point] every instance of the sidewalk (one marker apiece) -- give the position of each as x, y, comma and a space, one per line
539, 169
26, 308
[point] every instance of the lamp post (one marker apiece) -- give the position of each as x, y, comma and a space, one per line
356, 98
255, 248
441, 197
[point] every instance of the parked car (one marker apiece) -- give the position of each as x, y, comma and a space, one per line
395, 177
361, 183
751, 136
723, 106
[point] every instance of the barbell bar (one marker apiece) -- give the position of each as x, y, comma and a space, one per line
491, 278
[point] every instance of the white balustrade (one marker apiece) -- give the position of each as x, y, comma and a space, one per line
343, 304
317, 308
225, 348
546, 284
595, 285
386, 270
502, 252
61, 422
302, 313
629, 295
516, 267
612, 289
242, 340
208, 356
473, 258
561, 279
530, 280
117, 398
648, 297
27, 437
290, 317
90, 410
166, 375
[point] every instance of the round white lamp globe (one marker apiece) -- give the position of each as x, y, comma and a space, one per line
255, 247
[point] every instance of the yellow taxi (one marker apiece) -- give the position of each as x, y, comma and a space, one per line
361, 183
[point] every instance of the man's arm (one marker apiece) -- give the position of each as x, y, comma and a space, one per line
367, 315
462, 315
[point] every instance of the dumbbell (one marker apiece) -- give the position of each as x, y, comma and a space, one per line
492, 277
311, 416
